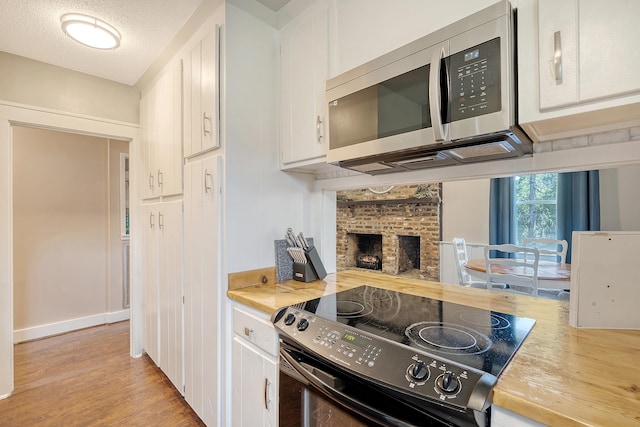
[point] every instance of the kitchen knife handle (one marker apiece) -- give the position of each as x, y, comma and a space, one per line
207, 187
319, 129
206, 119
557, 56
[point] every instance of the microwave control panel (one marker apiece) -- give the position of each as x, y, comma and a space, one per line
475, 81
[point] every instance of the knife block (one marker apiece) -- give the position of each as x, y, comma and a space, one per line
310, 270
316, 264
303, 272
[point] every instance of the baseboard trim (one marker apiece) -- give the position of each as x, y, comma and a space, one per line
42, 331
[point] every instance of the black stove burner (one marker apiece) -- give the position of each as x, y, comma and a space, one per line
495, 321
351, 309
448, 338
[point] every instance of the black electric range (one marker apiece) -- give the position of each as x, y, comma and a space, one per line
426, 359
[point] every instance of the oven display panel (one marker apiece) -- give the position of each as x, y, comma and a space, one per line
355, 339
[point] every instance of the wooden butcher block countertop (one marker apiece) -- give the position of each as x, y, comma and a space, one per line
560, 376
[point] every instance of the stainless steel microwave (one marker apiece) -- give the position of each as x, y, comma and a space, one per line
447, 98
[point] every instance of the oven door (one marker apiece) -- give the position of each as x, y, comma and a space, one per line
314, 393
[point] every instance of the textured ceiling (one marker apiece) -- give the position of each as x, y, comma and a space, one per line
31, 28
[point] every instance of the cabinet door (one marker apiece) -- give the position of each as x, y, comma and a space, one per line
193, 332
149, 282
588, 50
169, 232
201, 85
304, 70
254, 387
202, 288
169, 130
209, 91
609, 52
149, 141
558, 52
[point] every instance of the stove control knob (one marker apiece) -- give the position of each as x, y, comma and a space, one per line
303, 324
419, 371
448, 383
289, 319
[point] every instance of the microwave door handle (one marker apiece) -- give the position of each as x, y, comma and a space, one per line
356, 405
435, 95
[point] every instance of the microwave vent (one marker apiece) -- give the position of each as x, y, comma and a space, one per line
371, 168
484, 150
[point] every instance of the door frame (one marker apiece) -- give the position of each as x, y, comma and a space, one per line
12, 114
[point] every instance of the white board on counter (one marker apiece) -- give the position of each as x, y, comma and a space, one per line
605, 280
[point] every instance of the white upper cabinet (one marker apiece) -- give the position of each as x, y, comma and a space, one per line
160, 112
578, 66
201, 86
304, 60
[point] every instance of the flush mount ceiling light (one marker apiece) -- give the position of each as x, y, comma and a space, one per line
90, 31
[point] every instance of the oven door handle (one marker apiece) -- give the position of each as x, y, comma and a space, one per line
356, 405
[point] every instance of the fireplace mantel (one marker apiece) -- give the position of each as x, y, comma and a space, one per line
410, 201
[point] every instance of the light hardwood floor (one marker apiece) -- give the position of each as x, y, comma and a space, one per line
87, 378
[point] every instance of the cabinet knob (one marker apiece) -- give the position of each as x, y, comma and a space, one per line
248, 331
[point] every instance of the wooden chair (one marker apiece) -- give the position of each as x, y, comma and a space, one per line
461, 258
556, 248
519, 272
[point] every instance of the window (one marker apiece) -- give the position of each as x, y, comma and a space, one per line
536, 206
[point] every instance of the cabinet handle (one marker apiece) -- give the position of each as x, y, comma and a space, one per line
151, 181
248, 331
557, 56
267, 401
319, 129
160, 221
207, 187
159, 178
151, 222
206, 119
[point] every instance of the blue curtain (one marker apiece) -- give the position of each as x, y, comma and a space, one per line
502, 211
578, 204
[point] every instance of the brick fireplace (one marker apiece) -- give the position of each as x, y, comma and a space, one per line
394, 229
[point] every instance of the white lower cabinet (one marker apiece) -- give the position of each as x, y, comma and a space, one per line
255, 370
202, 320
501, 417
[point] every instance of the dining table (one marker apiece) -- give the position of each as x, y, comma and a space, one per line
551, 275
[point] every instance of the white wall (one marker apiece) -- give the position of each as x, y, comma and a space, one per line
25, 81
260, 201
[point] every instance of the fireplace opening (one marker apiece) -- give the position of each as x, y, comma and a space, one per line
409, 253
366, 250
